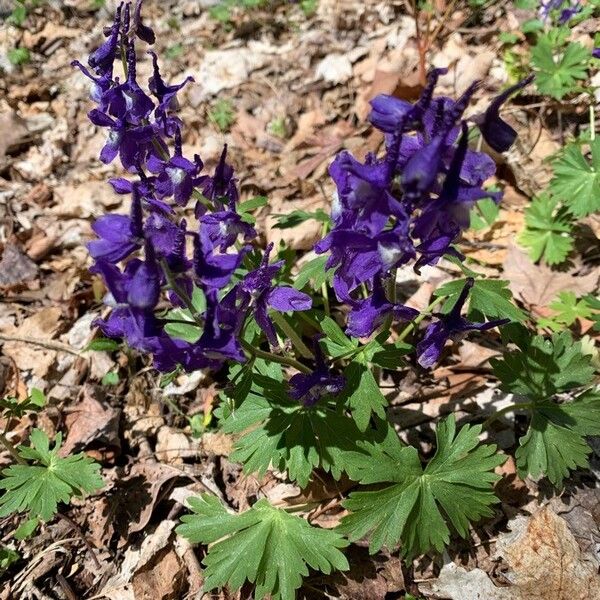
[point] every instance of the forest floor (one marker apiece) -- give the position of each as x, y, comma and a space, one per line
298, 87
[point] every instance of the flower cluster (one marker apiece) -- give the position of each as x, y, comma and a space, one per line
410, 205
151, 258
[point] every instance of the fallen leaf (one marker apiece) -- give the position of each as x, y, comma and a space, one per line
538, 285
334, 68
15, 267
91, 421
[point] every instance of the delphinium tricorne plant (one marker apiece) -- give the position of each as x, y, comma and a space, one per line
300, 392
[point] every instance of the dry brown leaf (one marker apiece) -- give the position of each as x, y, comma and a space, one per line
40, 326
91, 420
545, 563
538, 285
15, 267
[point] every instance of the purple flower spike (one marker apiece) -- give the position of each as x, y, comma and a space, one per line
259, 290
309, 388
430, 348
367, 315
495, 131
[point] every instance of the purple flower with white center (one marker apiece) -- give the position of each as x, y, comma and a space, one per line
176, 177
495, 131
263, 295
221, 229
120, 235
127, 102
131, 144
168, 240
367, 315
100, 85
429, 349
309, 388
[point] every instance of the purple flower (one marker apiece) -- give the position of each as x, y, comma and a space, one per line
262, 294
213, 269
127, 102
221, 187
430, 348
100, 85
309, 388
596, 52
166, 94
130, 143
168, 241
221, 229
102, 59
177, 176
367, 315
496, 132
144, 32
120, 235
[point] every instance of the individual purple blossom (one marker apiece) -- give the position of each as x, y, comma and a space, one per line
102, 59
429, 349
176, 177
221, 188
309, 388
120, 235
221, 229
130, 143
367, 315
262, 295
214, 269
165, 94
495, 131
144, 32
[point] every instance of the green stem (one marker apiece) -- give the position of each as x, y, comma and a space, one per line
296, 340
506, 409
411, 326
282, 360
592, 122
12, 450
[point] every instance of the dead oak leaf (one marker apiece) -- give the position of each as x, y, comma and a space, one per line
538, 285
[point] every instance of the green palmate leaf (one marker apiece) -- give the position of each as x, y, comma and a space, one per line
544, 367
336, 341
264, 545
362, 394
559, 67
315, 271
555, 443
277, 431
38, 488
594, 303
568, 310
483, 214
547, 232
576, 180
455, 487
488, 297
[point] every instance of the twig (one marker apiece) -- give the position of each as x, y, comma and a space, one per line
48, 344
85, 541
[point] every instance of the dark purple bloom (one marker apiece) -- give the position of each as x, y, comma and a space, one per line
168, 240
166, 94
144, 32
430, 348
309, 388
367, 315
496, 132
259, 290
221, 229
130, 143
212, 268
100, 85
221, 187
120, 235
596, 52
102, 59
176, 177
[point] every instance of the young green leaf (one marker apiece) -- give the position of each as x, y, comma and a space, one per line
576, 180
362, 394
547, 231
315, 271
38, 488
279, 431
543, 368
488, 297
264, 545
568, 310
555, 443
102, 345
456, 486
558, 67
296, 217
336, 341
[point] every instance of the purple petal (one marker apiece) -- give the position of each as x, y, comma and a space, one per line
287, 298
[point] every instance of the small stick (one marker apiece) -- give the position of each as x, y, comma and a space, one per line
48, 344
